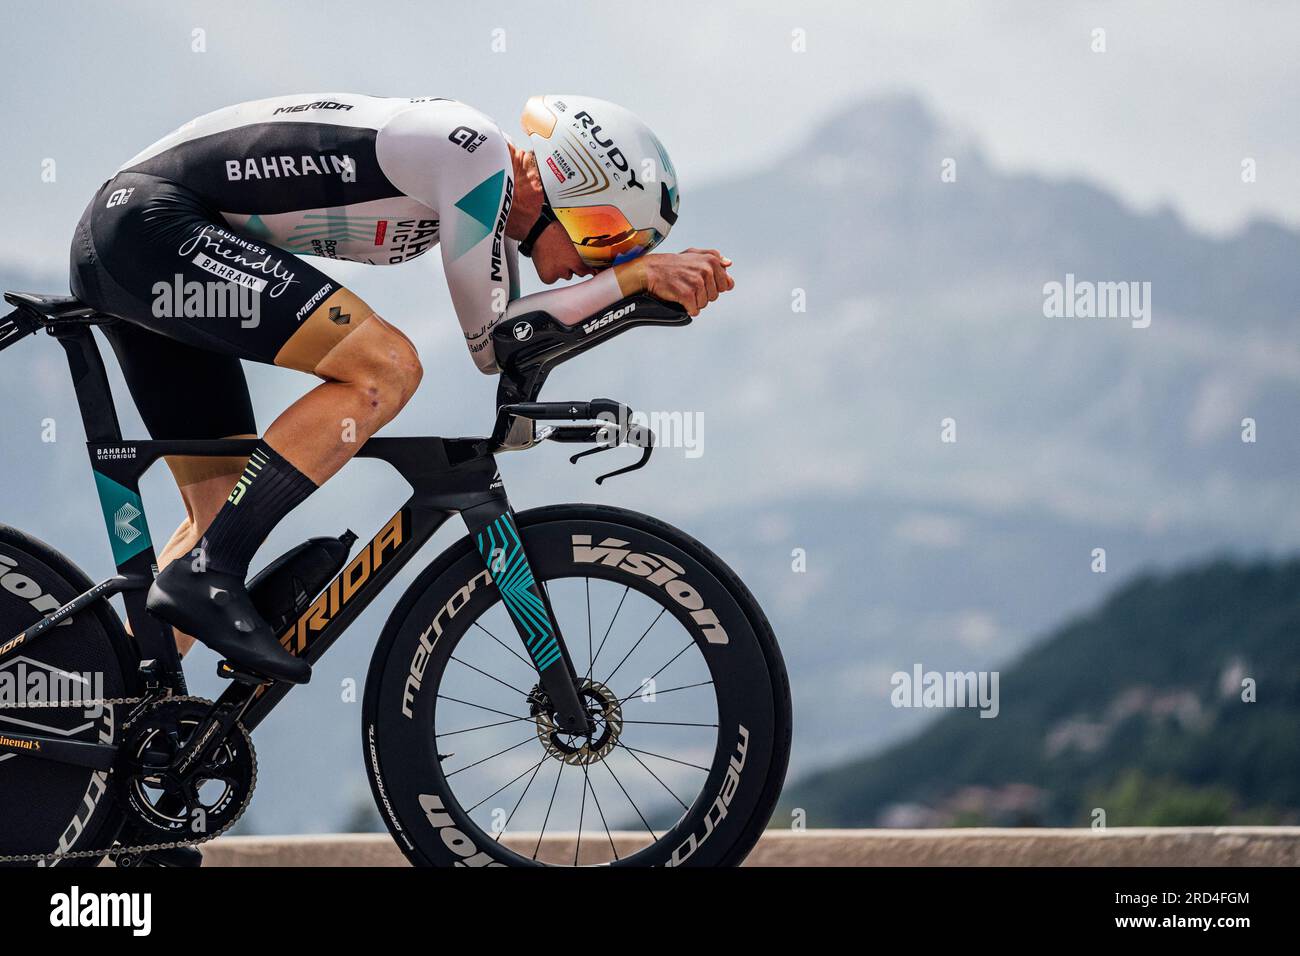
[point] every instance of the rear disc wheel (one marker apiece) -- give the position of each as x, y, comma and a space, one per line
47, 807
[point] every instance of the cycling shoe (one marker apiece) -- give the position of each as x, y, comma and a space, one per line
216, 609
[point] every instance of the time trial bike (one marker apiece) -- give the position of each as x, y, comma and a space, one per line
573, 683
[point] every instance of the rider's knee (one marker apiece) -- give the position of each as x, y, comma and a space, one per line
398, 362
404, 365
384, 365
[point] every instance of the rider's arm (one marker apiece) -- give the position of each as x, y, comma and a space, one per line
454, 159
573, 303
424, 151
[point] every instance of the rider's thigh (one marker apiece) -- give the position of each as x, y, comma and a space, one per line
154, 253
183, 391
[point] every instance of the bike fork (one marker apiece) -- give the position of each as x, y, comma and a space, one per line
493, 528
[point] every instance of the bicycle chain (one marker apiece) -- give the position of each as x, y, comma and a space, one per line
117, 851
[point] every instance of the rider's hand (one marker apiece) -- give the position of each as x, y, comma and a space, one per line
693, 278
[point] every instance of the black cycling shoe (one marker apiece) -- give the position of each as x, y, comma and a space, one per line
216, 609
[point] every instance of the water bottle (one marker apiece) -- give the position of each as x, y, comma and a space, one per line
284, 588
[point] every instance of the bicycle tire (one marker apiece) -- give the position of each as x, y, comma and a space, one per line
47, 807
423, 811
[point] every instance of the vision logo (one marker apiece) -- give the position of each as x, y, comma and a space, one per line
612, 316
658, 570
455, 840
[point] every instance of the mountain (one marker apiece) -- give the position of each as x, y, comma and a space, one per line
1176, 702
874, 301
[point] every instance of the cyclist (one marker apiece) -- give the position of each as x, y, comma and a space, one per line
232, 199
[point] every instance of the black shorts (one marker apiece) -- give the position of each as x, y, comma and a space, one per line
194, 297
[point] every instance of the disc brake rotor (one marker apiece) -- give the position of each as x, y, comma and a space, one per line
606, 711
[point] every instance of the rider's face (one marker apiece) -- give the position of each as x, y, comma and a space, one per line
555, 258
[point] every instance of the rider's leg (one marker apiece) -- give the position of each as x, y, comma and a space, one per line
203, 498
370, 371
159, 372
142, 259
369, 376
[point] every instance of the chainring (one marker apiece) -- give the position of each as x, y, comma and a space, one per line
194, 806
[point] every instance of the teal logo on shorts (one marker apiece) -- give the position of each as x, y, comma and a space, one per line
124, 516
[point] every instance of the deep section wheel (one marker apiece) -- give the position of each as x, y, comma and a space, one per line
46, 807
678, 667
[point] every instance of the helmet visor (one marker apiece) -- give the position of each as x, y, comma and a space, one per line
603, 236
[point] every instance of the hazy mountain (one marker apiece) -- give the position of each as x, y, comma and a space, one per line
821, 427
1175, 702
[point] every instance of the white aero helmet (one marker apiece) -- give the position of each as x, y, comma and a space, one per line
608, 180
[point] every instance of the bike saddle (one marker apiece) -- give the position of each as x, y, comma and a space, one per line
51, 306
215, 608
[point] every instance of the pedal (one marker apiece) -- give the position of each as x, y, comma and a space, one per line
229, 671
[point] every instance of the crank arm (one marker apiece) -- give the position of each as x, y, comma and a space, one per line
220, 720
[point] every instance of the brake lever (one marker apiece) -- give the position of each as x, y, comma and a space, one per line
640, 436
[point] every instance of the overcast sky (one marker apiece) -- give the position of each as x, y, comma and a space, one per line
89, 84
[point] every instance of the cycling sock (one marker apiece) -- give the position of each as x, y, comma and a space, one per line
269, 489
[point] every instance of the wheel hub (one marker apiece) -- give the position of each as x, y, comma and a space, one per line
605, 711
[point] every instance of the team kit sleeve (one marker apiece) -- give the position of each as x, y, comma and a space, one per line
465, 173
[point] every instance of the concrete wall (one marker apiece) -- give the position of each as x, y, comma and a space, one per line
1182, 846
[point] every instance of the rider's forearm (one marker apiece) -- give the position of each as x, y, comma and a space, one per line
573, 303
631, 276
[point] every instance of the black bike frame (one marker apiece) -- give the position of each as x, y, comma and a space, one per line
447, 477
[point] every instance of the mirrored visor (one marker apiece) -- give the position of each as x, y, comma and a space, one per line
603, 236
